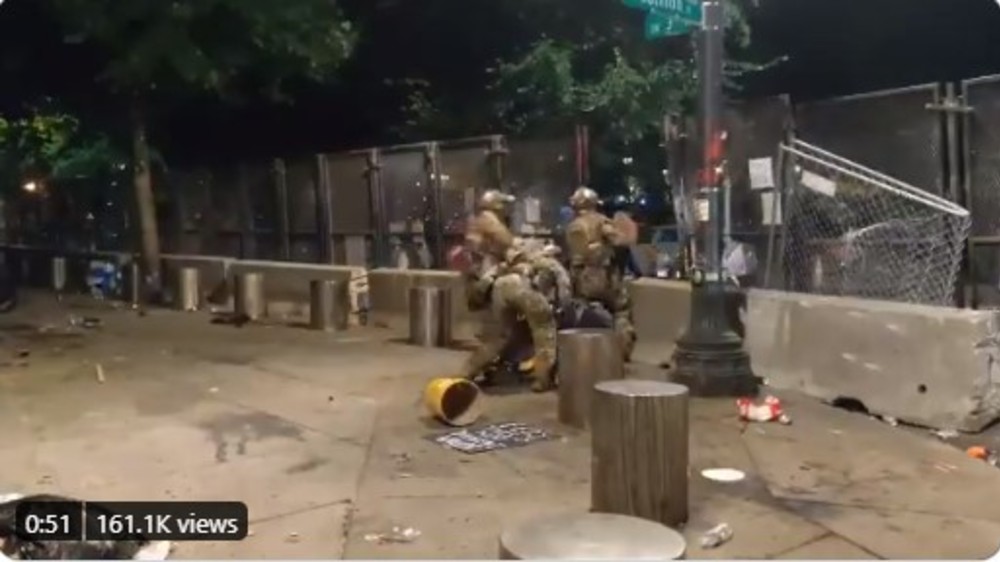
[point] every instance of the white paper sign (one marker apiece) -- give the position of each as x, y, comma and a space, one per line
702, 210
532, 210
761, 173
819, 184
770, 205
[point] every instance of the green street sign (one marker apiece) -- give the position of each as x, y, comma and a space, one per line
659, 25
688, 10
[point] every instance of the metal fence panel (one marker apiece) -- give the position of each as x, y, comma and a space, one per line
983, 135
404, 181
891, 131
259, 178
194, 202
543, 170
352, 208
465, 173
301, 179
225, 212
756, 129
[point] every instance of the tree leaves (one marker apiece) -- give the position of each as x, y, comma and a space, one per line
218, 46
601, 70
51, 146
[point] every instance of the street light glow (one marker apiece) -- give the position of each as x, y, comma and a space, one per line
30, 186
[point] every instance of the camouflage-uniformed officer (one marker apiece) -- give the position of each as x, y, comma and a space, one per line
500, 279
593, 239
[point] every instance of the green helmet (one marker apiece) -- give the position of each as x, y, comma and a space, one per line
584, 198
495, 200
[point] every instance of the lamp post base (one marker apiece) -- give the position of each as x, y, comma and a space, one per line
710, 359
715, 373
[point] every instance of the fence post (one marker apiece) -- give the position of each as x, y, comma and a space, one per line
436, 222
376, 197
248, 245
498, 160
953, 113
281, 198
324, 216
967, 197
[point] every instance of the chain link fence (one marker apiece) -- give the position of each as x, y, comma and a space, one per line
852, 231
894, 131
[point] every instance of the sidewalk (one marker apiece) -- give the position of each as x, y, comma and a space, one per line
324, 438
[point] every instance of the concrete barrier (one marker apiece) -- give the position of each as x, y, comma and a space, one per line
925, 365
660, 311
213, 276
286, 284
389, 294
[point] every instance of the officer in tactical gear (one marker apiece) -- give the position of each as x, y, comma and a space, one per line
595, 246
504, 280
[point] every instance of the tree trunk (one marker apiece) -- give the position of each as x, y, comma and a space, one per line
639, 442
143, 184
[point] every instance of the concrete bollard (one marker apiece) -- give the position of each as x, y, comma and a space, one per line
591, 536
249, 301
430, 316
188, 289
639, 444
59, 274
328, 306
586, 357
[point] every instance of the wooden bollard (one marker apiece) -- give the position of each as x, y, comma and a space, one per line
591, 536
586, 357
640, 450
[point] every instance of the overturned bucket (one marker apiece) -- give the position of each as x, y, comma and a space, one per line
454, 401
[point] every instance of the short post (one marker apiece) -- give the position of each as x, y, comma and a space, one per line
430, 317
591, 536
640, 450
188, 289
328, 306
134, 284
59, 275
586, 357
249, 295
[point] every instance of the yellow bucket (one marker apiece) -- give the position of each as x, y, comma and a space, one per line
455, 401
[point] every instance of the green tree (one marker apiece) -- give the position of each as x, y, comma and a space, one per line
592, 63
49, 147
154, 51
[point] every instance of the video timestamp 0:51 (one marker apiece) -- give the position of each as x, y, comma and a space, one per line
110, 521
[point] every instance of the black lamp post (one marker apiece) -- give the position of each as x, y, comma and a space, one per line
710, 359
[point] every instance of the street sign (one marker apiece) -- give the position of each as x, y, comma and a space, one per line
687, 10
659, 25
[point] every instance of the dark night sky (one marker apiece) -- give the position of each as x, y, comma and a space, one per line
851, 46
835, 47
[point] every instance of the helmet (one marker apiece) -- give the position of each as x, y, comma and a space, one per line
584, 198
495, 200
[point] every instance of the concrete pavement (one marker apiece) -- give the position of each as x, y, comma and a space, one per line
324, 437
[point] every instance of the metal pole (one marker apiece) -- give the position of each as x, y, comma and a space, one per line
709, 357
713, 135
284, 219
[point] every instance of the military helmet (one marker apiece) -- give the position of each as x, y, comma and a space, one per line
584, 198
495, 200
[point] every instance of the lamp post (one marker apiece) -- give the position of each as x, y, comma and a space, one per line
709, 358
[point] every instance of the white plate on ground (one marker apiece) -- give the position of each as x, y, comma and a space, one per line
727, 475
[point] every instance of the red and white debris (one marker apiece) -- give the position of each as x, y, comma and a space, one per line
768, 411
